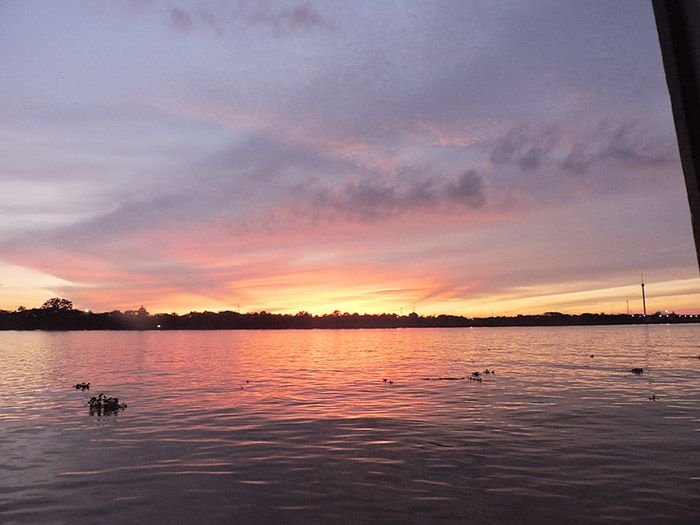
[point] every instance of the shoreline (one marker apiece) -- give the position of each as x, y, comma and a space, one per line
54, 319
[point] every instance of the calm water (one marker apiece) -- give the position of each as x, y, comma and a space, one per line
299, 426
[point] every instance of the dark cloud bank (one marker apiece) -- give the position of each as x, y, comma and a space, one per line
373, 200
631, 144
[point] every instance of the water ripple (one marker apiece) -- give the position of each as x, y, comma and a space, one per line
269, 427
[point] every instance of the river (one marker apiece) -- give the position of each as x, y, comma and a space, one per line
353, 426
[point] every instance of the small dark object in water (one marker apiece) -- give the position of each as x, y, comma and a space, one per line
385, 380
592, 355
439, 444
82, 386
476, 374
653, 397
441, 378
391, 382
487, 371
637, 370
105, 405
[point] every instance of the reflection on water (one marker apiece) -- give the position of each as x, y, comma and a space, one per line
300, 426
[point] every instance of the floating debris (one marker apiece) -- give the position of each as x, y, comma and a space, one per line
104, 405
475, 376
82, 386
652, 398
637, 371
438, 444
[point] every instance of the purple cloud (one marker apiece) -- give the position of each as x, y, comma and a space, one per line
372, 200
527, 148
629, 144
222, 17
180, 19
302, 17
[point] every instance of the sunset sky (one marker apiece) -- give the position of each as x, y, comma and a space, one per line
471, 158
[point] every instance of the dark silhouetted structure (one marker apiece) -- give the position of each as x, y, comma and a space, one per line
678, 26
70, 319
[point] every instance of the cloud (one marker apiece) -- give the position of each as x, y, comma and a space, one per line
635, 145
527, 148
507, 147
223, 17
180, 19
373, 200
628, 144
578, 159
303, 17
226, 141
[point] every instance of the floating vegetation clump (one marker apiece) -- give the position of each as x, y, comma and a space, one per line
103, 405
475, 376
82, 386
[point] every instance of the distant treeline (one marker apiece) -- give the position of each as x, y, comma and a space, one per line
67, 318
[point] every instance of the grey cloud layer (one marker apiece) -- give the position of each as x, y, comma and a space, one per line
374, 200
460, 68
629, 144
282, 18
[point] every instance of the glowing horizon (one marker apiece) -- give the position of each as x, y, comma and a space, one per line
674, 296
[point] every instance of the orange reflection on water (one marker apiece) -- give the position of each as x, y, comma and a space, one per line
302, 374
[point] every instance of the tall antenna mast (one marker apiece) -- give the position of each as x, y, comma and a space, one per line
644, 299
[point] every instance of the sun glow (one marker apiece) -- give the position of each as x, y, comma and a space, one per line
26, 287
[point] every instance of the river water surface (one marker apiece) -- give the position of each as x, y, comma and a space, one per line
300, 426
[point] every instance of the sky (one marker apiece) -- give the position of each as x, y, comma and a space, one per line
471, 158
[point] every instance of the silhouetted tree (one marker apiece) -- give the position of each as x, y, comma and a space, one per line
57, 303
